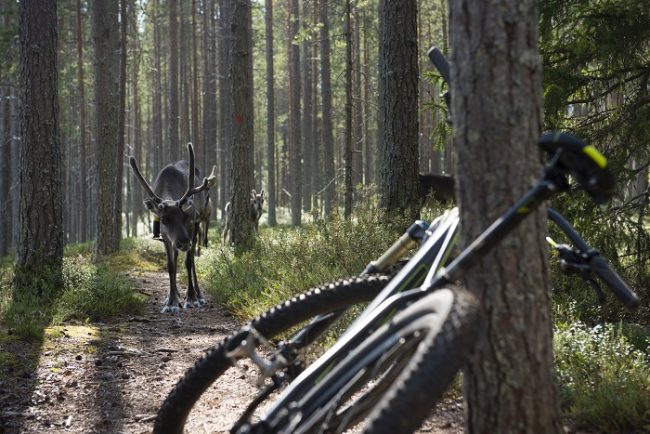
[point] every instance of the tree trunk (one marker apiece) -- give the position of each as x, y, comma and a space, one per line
225, 99
357, 116
195, 134
136, 132
40, 218
184, 76
307, 127
241, 71
83, 142
328, 129
295, 150
160, 150
107, 107
172, 79
347, 140
316, 163
209, 92
5, 171
368, 154
120, 160
398, 107
509, 383
270, 110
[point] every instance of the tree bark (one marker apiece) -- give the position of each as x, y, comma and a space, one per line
107, 107
209, 137
270, 110
295, 150
398, 107
307, 127
40, 217
241, 71
83, 142
328, 129
5, 169
496, 97
316, 163
194, 100
368, 154
159, 150
357, 111
172, 79
347, 146
225, 100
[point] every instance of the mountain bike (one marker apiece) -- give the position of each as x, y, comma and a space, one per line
415, 318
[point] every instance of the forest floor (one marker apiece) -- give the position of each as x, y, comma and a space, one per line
111, 377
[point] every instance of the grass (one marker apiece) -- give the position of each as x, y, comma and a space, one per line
91, 291
286, 261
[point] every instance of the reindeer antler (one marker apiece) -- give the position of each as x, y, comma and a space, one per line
207, 182
143, 182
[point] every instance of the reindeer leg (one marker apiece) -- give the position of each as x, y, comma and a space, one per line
172, 301
192, 298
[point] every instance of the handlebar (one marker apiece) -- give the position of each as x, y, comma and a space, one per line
596, 263
618, 286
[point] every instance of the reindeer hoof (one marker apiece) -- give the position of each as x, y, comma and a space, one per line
188, 305
171, 309
201, 302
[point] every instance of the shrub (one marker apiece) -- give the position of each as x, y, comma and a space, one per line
603, 380
286, 261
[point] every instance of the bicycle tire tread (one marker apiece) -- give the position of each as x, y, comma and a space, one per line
173, 413
431, 371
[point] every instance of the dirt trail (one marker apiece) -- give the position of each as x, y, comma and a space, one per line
112, 377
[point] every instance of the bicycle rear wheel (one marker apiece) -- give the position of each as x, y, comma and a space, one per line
434, 334
292, 314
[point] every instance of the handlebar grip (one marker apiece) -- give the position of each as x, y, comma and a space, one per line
440, 62
621, 289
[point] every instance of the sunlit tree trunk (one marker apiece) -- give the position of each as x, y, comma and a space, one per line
398, 107
242, 96
329, 181
347, 146
307, 126
295, 149
107, 108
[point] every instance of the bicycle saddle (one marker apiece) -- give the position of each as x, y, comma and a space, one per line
585, 162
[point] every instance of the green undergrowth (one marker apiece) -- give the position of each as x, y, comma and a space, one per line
91, 290
286, 261
603, 376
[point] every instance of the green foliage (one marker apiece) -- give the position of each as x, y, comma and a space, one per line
88, 291
287, 261
603, 380
93, 291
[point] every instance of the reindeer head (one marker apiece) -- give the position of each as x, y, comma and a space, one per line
257, 200
174, 214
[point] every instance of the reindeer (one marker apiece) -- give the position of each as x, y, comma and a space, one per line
178, 204
204, 224
255, 212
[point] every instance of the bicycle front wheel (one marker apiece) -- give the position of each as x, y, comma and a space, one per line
418, 353
286, 317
